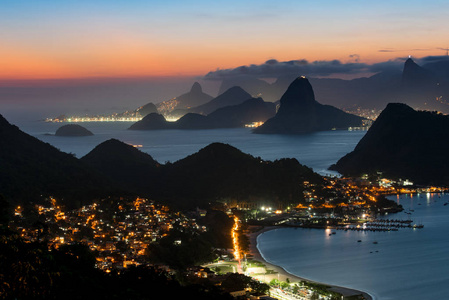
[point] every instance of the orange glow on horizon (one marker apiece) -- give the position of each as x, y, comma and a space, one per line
118, 61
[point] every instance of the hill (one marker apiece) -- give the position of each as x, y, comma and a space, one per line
31, 169
123, 164
403, 143
216, 172
220, 171
299, 112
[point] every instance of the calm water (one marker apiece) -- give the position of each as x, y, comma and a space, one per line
316, 150
406, 264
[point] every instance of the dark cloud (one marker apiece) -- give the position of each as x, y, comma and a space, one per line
273, 68
434, 58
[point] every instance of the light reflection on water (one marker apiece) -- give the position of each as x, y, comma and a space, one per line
405, 264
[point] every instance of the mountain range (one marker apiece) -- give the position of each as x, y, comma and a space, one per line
231, 116
422, 87
32, 170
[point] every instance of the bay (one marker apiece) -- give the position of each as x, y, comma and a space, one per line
405, 264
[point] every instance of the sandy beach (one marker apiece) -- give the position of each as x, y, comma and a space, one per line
282, 274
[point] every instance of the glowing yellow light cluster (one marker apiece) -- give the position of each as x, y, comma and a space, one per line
235, 238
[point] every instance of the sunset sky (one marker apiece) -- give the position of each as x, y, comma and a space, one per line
102, 38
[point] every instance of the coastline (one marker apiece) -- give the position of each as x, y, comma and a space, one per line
282, 274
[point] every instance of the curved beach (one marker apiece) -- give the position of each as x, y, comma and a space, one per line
282, 274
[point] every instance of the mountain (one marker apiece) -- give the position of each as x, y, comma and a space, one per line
72, 130
220, 171
216, 172
193, 98
193, 121
123, 164
299, 112
152, 121
414, 75
233, 116
403, 143
252, 110
146, 109
233, 96
31, 169
250, 84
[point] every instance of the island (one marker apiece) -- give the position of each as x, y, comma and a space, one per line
73, 130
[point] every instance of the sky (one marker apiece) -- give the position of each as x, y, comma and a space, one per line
126, 53
133, 38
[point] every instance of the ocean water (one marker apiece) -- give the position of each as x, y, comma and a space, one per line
316, 150
407, 264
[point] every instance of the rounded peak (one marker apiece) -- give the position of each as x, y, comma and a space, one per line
300, 90
196, 88
113, 142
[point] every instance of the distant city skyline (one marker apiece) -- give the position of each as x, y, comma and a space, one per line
127, 39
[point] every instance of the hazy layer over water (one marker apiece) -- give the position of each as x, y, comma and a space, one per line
406, 264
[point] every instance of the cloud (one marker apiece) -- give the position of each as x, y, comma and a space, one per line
273, 68
434, 58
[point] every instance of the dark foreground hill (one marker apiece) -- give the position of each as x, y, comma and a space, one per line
123, 164
403, 143
216, 172
31, 169
300, 113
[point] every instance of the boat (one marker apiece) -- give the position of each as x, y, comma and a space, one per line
359, 241
375, 242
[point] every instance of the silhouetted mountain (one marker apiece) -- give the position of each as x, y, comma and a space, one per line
252, 110
193, 121
414, 76
31, 169
221, 171
123, 164
250, 84
403, 143
146, 109
151, 122
73, 130
299, 112
232, 96
216, 172
193, 98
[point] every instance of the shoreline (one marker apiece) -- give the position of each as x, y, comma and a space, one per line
282, 274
